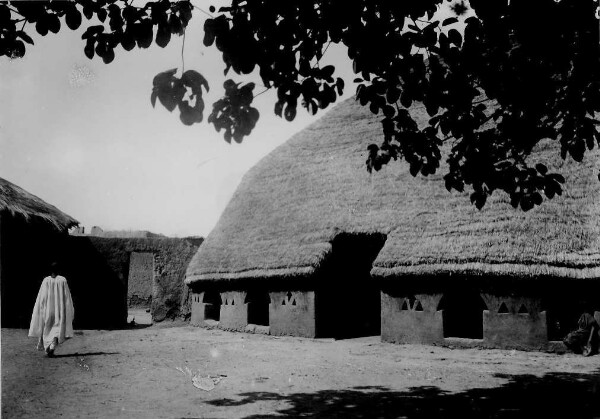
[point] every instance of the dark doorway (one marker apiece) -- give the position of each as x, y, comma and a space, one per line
212, 305
258, 307
463, 314
563, 312
348, 301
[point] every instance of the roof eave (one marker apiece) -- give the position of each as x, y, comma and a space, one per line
531, 271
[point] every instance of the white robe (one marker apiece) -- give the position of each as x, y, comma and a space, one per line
53, 311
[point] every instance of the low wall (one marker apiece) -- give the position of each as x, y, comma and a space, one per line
416, 321
510, 322
290, 312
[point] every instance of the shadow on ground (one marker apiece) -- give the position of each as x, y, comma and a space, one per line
555, 395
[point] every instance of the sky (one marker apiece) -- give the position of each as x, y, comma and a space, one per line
83, 136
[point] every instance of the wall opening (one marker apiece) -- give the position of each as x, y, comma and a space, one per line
348, 301
140, 279
258, 307
463, 314
212, 305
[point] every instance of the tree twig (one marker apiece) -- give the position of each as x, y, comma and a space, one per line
182, 57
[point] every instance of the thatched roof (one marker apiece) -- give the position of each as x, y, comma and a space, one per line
17, 201
290, 206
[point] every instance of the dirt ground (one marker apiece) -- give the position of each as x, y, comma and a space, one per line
141, 373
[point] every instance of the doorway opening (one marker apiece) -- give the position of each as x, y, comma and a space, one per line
348, 301
258, 307
463, 314
212, 305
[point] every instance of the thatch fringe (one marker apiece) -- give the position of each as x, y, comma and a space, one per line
295, 272
530, 271
17, 201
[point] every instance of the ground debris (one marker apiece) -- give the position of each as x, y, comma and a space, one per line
204, 382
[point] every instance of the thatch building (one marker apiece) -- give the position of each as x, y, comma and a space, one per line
100, 270
29, 231
313, 245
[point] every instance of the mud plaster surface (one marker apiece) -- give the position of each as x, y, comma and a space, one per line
133, 374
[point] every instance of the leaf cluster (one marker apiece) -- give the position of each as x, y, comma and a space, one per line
233, 113
184, 93
121, 23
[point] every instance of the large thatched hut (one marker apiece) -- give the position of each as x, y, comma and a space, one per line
29, 231
313, 245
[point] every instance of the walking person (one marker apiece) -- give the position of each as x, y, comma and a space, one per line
52, 318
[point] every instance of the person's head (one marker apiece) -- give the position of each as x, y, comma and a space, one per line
53, 269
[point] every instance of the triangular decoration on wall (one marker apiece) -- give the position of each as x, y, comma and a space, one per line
523, 309
503, 309
419, 307
405, 305
294, 302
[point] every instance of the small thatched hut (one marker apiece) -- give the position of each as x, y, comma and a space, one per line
29, 231
313, 245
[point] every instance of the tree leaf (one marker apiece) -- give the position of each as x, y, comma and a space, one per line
73, 18
89, 48
290, 113
24, 37
195, 81
41, 26
449, 21
163, 35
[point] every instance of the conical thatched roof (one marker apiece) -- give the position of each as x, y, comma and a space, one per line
17, 201
289, 207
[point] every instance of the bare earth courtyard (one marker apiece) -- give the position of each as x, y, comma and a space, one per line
143, 373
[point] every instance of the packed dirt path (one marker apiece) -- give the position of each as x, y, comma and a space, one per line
141, 373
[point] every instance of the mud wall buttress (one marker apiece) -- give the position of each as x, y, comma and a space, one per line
292, 313
234, 312
514, 322
411, 319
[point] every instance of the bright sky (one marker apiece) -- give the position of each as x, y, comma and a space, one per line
84, 137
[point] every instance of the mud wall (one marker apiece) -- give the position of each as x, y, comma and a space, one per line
411, 319
97, 271
290, 312
511, 317
171, 257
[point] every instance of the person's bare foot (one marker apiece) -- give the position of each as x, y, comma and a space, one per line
51, 348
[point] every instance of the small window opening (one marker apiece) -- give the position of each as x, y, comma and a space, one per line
405, 305
411, 301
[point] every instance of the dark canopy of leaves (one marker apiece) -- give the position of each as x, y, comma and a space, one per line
520, 72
